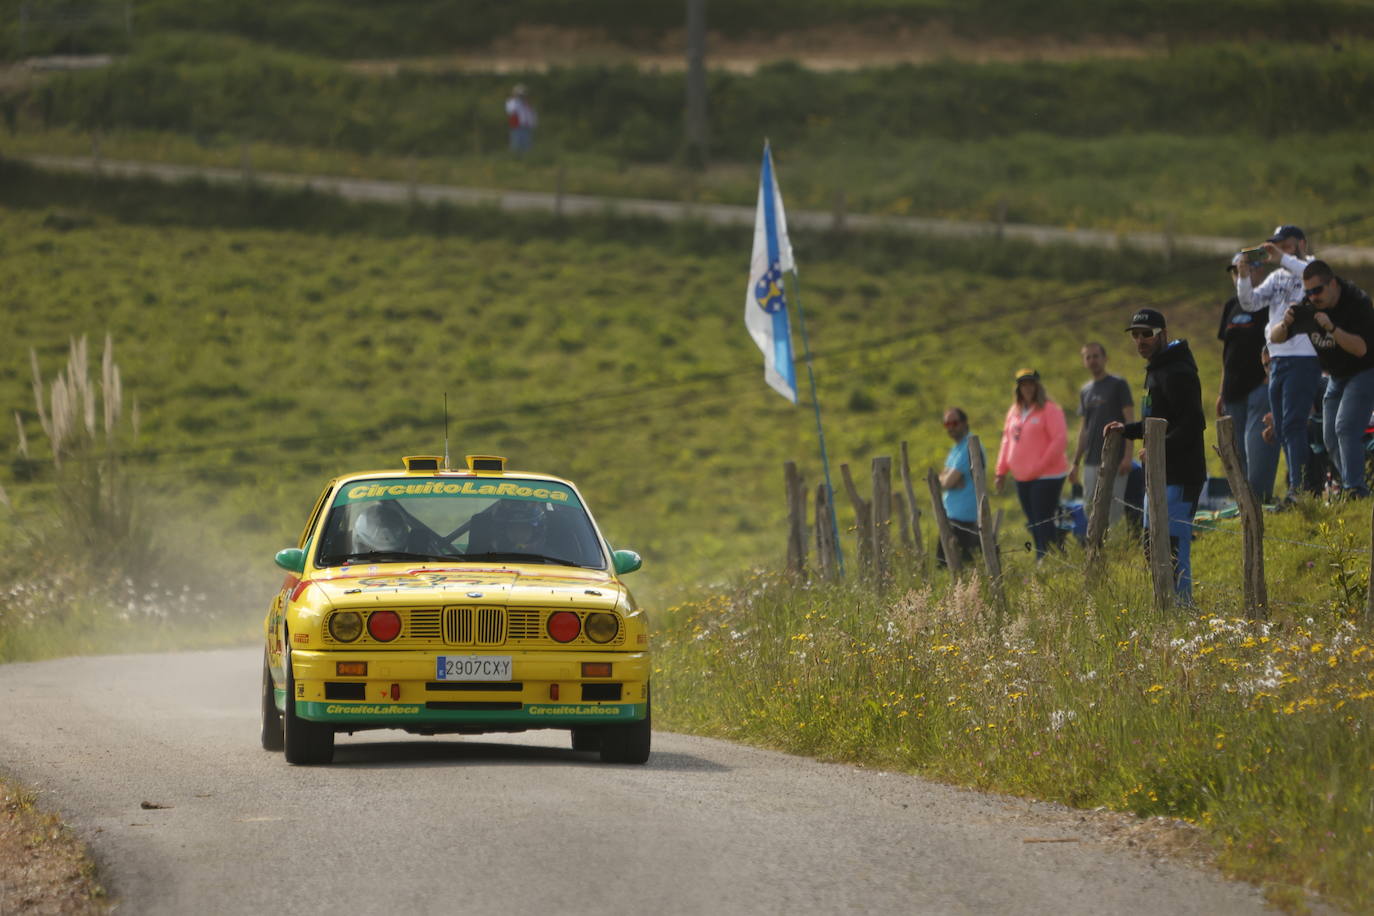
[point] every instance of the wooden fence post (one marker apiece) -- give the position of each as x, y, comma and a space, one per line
992, 560
946, 534
796, 519
881, 511
1157, 503
903, 520
825, 535
1251, 521
863, 520
914, 508
1099, 514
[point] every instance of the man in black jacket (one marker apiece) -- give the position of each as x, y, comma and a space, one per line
1173, 393
1339, 319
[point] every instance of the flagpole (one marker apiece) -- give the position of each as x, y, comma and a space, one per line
820, 430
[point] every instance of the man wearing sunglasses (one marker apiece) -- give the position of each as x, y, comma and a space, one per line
1294, 375
956, 485
1173, 393
1337, 318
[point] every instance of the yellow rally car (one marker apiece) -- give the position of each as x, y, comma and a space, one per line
441, 601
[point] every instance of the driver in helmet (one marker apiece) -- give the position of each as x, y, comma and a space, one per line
381, 526
518, 526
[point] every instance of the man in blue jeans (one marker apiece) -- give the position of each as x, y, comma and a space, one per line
1338, 319
1173, 393
1294, 375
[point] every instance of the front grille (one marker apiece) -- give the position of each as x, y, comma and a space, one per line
522, 627
474, 626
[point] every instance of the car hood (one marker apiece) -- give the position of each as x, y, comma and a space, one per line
509, 587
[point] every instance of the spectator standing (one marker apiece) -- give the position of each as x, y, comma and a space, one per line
1294, 375
1103, 399
1034, 439
1244, 394
1338, 319
1173, 392
956, 485
521, 119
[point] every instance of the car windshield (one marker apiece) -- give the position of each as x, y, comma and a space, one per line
456, 520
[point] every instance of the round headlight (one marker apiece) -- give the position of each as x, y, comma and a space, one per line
564, 626
384, 626
601, 627
346, 626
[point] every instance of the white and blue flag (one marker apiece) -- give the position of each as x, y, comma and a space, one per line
765, 309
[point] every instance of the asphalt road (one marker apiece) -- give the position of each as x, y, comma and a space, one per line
522, 824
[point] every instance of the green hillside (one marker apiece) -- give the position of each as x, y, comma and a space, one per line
355, 28
267, 359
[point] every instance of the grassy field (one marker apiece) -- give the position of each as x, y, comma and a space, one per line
267, 359
1255, 732
1199, 141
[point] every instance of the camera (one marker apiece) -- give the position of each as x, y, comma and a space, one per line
1255, 256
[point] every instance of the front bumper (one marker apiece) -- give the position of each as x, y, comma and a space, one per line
546, 690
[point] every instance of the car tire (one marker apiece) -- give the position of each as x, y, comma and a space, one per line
627, 743
586, 739
306, 743
271, 718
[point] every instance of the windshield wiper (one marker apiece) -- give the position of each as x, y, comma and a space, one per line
517, 557
393, 556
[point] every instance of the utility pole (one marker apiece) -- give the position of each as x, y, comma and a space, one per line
695, 151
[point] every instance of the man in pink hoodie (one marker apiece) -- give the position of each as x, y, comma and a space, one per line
1034, 442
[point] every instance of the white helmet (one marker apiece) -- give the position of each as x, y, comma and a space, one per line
380, 527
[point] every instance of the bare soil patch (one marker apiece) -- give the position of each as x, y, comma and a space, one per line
44, 868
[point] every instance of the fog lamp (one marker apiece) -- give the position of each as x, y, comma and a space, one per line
346, 626
601, 627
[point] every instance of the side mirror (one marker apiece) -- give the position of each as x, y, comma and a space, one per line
292, 559
626, 561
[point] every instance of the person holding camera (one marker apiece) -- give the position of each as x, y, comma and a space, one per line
1337, 318
1294, 375
1173, 393
1244, 392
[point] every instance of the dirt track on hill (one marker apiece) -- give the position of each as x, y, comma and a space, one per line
838, 48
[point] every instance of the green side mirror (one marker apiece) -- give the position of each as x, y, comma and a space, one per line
292, 559
626, 561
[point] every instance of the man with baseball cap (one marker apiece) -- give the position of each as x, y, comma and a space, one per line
1294, 373
1173, 392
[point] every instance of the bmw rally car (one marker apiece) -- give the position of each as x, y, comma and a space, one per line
440, 601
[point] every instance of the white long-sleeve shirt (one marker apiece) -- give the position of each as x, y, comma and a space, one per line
1276, 293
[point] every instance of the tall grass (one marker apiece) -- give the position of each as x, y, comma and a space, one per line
1257, 732
208, 88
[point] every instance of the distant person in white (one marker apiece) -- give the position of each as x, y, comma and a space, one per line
1294, 374
521, 119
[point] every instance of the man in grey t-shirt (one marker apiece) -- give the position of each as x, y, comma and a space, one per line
1103, 399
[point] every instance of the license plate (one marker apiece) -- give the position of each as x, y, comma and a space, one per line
474, 668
